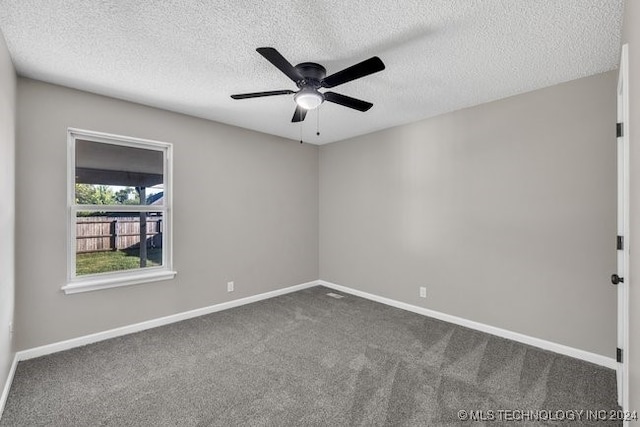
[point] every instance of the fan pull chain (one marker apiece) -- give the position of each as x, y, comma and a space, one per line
318, 122
301, 132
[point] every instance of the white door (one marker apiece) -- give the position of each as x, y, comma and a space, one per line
621, 277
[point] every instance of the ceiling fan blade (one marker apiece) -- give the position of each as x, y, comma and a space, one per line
347, 101
259, 94
299, 114
280, 62
364, 68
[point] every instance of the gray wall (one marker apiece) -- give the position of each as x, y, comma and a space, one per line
505, 212
245, 209
7, 206
631, 35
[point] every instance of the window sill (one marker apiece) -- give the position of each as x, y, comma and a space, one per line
98, 283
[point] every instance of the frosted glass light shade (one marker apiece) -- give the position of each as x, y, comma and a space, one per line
308, 99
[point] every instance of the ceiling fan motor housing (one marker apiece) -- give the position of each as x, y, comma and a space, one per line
311, 73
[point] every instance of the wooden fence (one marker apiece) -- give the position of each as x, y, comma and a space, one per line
97, 234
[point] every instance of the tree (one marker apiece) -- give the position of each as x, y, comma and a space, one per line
90, 194
123, 196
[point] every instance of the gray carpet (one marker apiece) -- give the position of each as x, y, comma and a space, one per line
302, 359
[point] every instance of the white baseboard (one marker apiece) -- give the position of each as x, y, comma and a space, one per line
597, 359
137, 327
7, 384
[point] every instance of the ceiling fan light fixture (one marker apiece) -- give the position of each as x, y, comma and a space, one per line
308, 98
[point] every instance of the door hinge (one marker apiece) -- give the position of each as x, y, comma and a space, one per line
619, 355
620, 243
619, 130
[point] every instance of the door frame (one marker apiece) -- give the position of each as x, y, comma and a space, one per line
623, 228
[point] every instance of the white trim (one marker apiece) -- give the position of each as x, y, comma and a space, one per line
120, 208
515, 336
111, 280
623, 226
137, 327
167, 252
7, 384
109, 138
71, 194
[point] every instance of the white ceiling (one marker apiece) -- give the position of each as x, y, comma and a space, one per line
190, 56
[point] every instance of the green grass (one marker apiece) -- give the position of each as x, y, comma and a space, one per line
101, 262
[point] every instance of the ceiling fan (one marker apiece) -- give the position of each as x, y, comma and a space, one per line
310, 77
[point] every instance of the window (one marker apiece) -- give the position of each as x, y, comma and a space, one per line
119, 204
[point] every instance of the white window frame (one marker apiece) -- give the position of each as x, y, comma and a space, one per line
97, 281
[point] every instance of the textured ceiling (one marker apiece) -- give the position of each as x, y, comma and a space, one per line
189, 56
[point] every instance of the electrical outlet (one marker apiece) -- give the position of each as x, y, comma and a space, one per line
229, 286
10, 328
423, 292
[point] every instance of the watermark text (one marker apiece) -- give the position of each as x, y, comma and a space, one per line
554, 415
